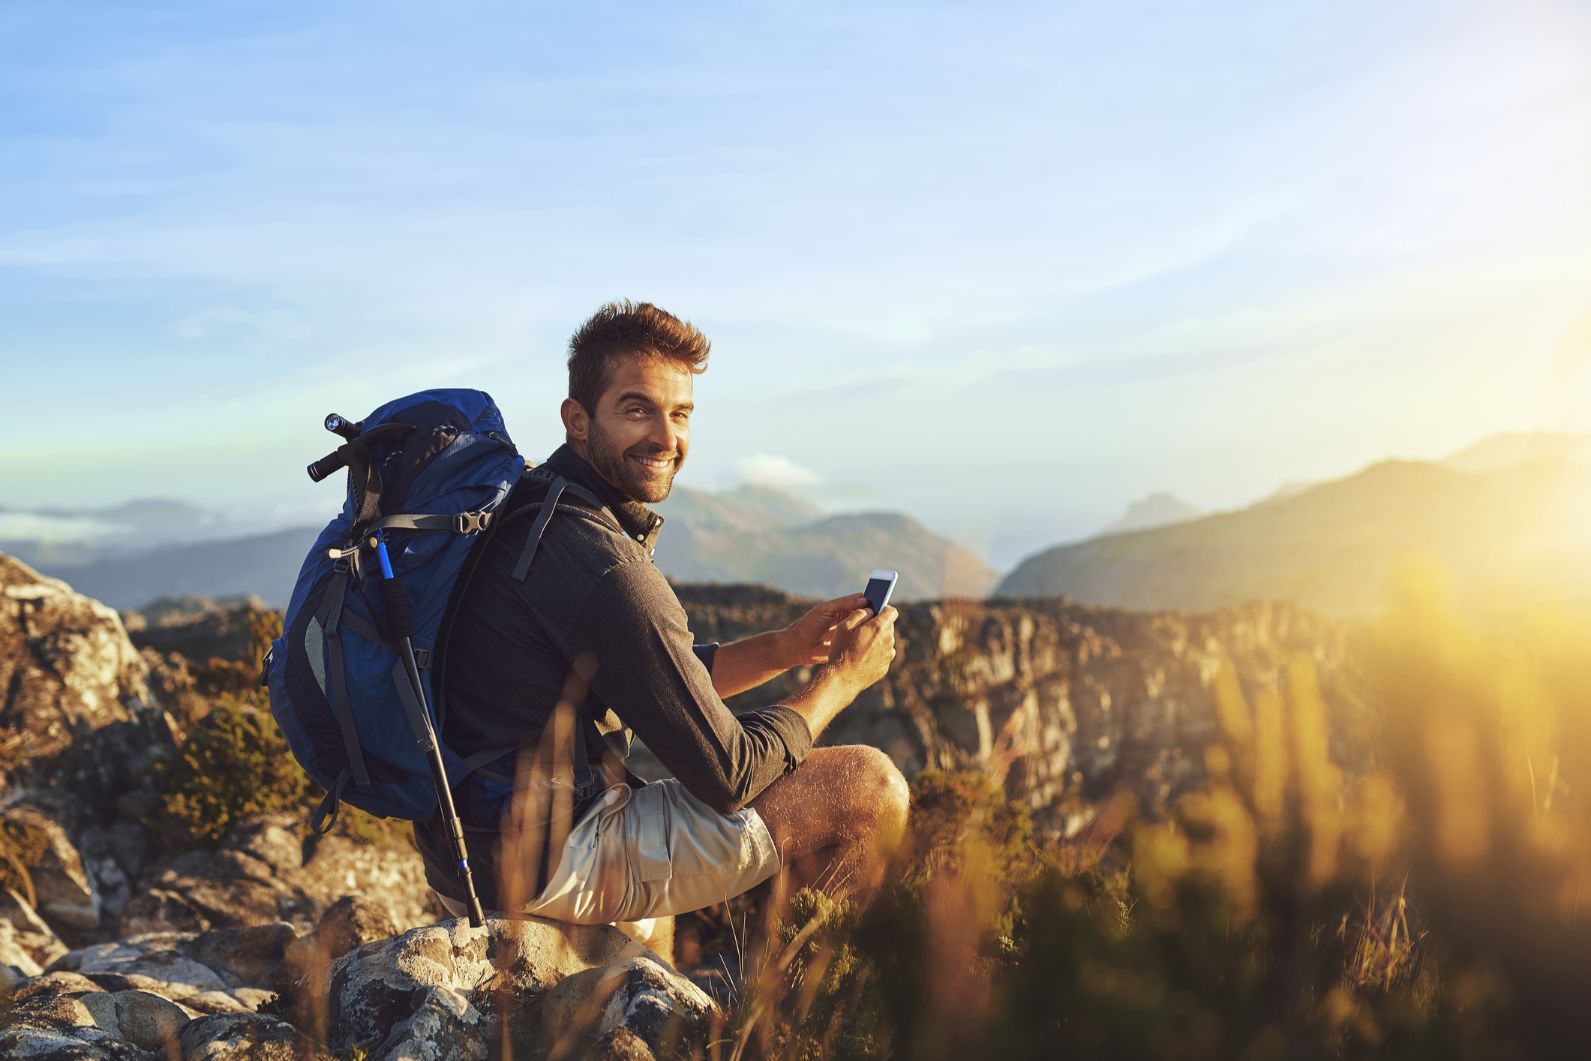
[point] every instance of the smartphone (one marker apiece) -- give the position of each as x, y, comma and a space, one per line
880, 584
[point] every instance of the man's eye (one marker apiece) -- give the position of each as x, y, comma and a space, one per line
682, 416
635, 410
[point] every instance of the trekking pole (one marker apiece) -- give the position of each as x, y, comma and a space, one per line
402, 623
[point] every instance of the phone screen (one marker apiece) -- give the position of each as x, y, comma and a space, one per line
877, 593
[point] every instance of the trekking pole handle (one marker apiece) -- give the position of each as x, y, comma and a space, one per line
399, 618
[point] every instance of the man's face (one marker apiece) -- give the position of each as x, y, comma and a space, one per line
637, 436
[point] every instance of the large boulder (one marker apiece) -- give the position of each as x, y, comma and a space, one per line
77, 719
452, 991
65, 661
270, 868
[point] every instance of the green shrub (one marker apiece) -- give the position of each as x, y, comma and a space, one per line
233, 763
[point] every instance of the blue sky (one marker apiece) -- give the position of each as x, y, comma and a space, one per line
1005, 267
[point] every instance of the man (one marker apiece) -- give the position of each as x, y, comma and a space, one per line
590, 644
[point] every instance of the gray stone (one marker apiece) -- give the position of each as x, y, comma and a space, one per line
58, 1010
27, 1041
447, 990
145, 1019
151, 964
638, 1000
250, 954
246, 1037
268, 869
351, 922
56, 982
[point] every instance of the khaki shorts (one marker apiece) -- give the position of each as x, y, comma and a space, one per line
651, 852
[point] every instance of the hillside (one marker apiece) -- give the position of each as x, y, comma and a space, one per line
1156, 510
746, 534
1334, 545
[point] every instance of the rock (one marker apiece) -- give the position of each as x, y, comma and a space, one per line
66, 663
351, 922
441, 991
251, 954
92, 1024
139, 1017
267, 869
29, 931
16, 964
151, 963
65, 893
231, 970
641, 1008
246, 1037
1064, 702
59, 981
67, 657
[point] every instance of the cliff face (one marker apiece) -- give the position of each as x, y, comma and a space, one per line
1065, 701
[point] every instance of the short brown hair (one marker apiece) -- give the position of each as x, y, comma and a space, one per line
626, 329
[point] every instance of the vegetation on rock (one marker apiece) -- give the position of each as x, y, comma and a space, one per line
1431, 906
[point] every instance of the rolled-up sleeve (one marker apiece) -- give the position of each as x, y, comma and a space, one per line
658, 683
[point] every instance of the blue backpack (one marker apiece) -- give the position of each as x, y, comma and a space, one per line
351, 679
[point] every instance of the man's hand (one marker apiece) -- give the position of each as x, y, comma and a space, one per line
864, 646
861, 648
809, 639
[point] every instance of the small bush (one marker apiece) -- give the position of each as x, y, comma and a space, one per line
234, 763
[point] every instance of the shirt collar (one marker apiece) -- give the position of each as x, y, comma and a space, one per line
636, 520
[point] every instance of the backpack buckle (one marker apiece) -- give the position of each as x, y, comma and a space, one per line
471, 522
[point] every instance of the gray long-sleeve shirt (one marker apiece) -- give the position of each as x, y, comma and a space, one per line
595, 620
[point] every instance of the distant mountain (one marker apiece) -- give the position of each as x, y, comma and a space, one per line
823, 558
748, 534
1525, 527
1156, 510
1515, 448
262, 565
60, 539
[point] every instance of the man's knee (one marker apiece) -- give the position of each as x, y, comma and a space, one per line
880, 791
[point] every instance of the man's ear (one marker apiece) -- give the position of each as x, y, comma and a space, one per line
576, 421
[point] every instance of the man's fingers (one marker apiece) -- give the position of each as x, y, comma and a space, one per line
854, 619
839, 606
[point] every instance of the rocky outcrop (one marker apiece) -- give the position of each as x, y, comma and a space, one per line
537, 987
66, 665
1065, 701
444, 991
169, 994
269, 867
278, 943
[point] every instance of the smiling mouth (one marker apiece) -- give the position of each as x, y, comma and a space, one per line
655, 463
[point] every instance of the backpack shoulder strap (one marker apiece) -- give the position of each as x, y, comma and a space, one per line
549, 505
558, 490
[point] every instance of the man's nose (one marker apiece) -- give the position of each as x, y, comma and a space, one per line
665, 434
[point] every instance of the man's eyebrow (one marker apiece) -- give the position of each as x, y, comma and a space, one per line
625, 396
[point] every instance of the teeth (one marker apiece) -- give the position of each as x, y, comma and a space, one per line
655, 461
